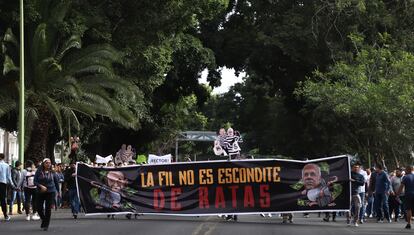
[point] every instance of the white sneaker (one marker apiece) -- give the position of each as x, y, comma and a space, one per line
7, 218
35, 217
356, 225
28, 217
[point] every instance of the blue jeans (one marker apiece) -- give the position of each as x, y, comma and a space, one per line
381, 203
362, 210
20, 199
74, 201
370, 206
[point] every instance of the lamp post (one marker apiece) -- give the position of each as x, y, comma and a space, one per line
21, 88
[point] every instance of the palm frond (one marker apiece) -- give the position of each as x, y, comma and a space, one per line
47, 68
103, 55
10, 38
8, 65
73, 42
7, 105
69, 114
31, 115
66, 87
58, 11
101, 99
54, 107
40, 44
84, 107
92, 69
125, 118
43, 7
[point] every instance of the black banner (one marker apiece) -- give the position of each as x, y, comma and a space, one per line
217, 187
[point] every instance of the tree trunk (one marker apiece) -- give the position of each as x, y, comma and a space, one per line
37, 147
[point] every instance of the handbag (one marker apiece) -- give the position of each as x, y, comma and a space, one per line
42, 188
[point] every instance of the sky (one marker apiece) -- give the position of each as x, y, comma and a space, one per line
228, 79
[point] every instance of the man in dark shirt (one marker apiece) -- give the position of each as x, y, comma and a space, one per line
382, 191
70, 183
357, 180
407, 183
16, 193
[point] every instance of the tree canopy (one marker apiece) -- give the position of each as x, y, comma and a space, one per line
323, 77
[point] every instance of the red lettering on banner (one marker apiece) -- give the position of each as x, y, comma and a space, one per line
203, 197
264, 196
234, 195
159, 203
220, 201
248, 196
175, 206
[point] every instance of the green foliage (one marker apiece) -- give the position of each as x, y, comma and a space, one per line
175, 118
64, 80
372, 94
107, 67
164, 57
347, 106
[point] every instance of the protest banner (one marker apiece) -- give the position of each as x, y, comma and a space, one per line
217, 187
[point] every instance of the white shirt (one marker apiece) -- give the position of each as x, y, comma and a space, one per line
361, 189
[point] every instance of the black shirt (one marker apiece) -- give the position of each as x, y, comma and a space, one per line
70, 179
359, 181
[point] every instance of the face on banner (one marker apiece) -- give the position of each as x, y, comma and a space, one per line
116, 180
311, 176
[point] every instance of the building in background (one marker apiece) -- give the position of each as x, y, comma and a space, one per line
9, 146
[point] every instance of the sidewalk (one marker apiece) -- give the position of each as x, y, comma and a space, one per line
15, 214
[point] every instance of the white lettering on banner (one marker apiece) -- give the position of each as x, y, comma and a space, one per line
154, 159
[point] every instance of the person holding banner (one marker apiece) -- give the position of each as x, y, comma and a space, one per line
47, 185
70, 185
357, 180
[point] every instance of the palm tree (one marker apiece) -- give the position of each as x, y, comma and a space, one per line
63, 81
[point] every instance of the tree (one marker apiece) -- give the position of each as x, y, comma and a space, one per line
164, 59
371, 94
64, 80
281, 43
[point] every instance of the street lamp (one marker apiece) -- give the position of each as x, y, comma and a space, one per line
21, 90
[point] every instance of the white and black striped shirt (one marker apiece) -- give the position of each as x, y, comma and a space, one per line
232, 143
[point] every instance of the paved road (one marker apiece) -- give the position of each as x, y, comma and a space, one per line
63, 224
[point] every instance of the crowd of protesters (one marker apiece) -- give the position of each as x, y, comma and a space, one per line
376, 192
37, 188
379, 194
